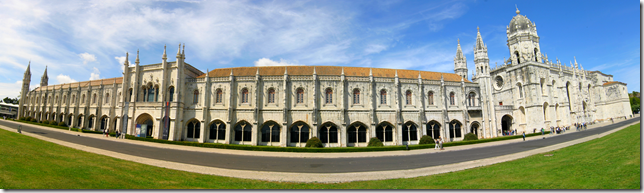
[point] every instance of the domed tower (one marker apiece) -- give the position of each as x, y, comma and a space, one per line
460, 63
523, 40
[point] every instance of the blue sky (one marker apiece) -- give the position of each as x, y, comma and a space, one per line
83, 40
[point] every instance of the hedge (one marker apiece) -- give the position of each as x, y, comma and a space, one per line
470, 136
375, 142
301, 149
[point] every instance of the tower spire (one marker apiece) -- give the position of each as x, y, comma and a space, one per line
460, 62
45, 79
137, 57
179, 52
164, 55
479, 40
183, 52
28, 71
515, 5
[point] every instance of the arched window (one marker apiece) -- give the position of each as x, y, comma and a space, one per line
454, 129
83, 99
516, 53
300, 95
217, 130
194, 129
545, 111
73, 98
430, 96
384, 132
271, 95
472, 99
218, 96
329, 133
357, 133
408, 97
271, 132
451, 99
107, 98
356, 96
64, 98
129, 96
383, 97
195, 97
156, 93
243, 131
91, 122
328, 95
170, 94
244, 98
409, 132
520, 90
536, 59
56, 100
299, 133
434, 129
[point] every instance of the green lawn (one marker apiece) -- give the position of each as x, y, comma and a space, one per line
612, 162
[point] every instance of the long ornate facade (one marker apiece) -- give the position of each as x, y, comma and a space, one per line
343, 106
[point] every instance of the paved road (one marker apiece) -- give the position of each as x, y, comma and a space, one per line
315, 165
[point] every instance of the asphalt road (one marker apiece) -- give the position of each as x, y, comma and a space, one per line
315, 165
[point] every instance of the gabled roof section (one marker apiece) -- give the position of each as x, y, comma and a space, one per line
613, 82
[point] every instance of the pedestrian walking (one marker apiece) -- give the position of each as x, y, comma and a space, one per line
440, 141
542, 131
435, 144
524, 136
19, 128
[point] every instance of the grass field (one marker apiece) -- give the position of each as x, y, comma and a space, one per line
611, 162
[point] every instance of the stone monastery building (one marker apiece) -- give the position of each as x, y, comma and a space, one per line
343, 106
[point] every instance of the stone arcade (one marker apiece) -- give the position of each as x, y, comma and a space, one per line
343, 106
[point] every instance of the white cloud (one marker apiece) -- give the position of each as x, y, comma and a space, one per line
95, 74
87, 57
269, 62
64, 79
121, 60
375, 48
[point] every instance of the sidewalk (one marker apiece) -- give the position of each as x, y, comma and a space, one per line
316, 155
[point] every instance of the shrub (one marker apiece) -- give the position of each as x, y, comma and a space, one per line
32, 120
375, 142
62, 124
53, 123
426, 140
470, 136
314, 142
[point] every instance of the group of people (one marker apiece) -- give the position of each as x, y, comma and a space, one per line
581, 126
558, 129
107, 134
509, 132
439, 143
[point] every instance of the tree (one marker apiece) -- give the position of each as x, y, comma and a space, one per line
635, 102
7, 100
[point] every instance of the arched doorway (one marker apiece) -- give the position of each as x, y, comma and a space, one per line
506, 123
68, 120
270, 132
384, 132
356, 134
328, 133
434, 129
474, 128
144, 125
300, 133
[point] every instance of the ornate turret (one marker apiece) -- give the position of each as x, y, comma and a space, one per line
460, 62
45, 79
523, 40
